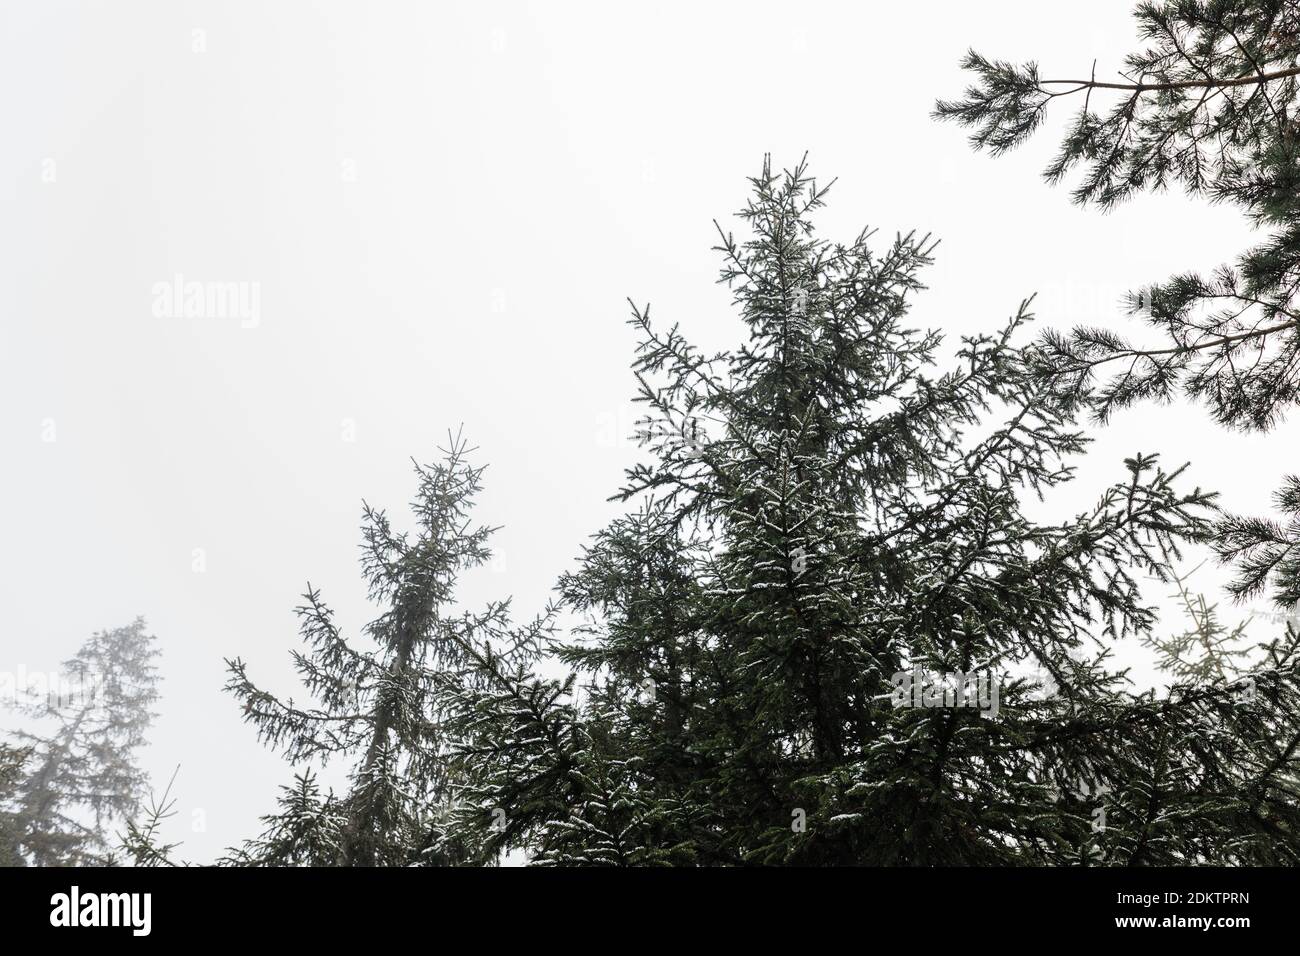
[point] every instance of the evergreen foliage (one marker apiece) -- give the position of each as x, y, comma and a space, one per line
823, 511
82, 778
826, 626
381, 706
1208, 104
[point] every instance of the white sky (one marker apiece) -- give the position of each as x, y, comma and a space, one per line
445, 206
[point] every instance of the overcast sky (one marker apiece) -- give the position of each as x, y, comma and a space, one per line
437, 212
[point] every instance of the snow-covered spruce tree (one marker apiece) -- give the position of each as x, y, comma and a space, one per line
304, 831
560, 777
1209, 104
822, 513
382, 707
82, 777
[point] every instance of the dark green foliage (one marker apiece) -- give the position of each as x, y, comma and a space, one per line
306, 830
556, 779
821, 511
1265, 549
382, 709
82, 778
1208, 104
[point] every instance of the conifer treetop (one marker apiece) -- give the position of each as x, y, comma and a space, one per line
822, 511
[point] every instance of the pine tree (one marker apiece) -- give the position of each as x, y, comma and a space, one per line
384, 708
821, 517
1209, 104
83, 778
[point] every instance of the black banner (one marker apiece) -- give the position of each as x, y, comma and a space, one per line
335, 906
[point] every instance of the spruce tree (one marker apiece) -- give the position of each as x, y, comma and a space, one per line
381, 706
304, 831
1208, 104
82, 777
822, 515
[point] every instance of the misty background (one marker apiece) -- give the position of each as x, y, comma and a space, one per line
442, 209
